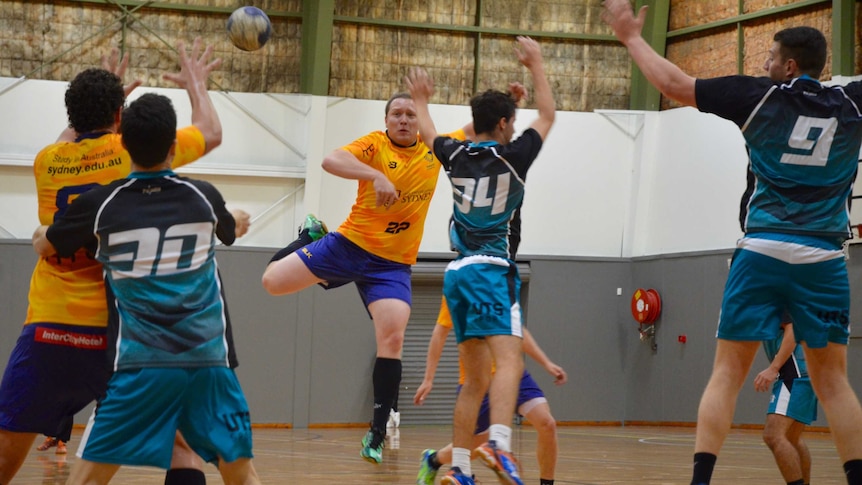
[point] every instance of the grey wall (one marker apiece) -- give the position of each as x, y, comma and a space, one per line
307, 358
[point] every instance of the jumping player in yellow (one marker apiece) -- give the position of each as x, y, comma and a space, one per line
58, 365
375, 246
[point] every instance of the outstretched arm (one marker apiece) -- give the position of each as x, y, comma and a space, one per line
660, 72
421, 88
531, 348
530, 55
435, 350
195, 69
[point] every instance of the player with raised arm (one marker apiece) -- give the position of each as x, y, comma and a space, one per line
803, 141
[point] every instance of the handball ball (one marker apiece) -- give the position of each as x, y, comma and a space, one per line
249, 28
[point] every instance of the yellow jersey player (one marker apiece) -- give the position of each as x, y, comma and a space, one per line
375, 246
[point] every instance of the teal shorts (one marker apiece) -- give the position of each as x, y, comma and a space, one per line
770, 278
794, 399
136, 422
483, 295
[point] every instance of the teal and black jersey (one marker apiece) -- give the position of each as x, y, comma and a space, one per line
154, 234
488, 189
803, 142
795, 365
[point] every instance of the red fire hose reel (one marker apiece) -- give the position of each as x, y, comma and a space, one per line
646, 306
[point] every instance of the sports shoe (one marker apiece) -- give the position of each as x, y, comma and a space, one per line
427, 471
372, 446
48, 444
61, 448
394, 419
501, 462
455, 477
316, 228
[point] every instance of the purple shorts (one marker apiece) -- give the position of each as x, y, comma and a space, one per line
528, 391
338, 261
54, 372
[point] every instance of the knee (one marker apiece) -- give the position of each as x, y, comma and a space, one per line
392, 341
772, 439
546, 425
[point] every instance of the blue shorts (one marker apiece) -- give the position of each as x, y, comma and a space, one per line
337, 261
483, 294
54, 371
528, 391
136, 422
794, 399
761, 287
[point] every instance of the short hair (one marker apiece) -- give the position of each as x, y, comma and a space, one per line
92, 100
805, 45
149, 128
489, 107
393, 98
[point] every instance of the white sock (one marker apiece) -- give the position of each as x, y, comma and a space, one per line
461, 459
502, 435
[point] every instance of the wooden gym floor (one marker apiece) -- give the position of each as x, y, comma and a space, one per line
588, 455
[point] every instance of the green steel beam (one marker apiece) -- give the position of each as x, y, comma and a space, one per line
317, 29
644, 96
475, 29
181, 7
769, 12
843, 37
477, 48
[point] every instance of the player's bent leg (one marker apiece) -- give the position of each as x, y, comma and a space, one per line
14, 448
186, 465
86, 472
238, 472
390, 316
288, 275
827, 368
546, 438
733, 360
775, 435
508, 355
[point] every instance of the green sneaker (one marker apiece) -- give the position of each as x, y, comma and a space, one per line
316, 228
372, 447
427, 472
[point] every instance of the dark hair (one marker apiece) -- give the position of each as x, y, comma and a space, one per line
805, 45
489, 107
92, 100
393, 98
149, 128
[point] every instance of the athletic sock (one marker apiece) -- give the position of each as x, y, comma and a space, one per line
304, 239
853, 470
545, 481
386, 379
185, 476
797, 482
461, 460
502, 435
435, 463
704, 463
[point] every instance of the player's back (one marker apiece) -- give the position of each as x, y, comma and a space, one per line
804, 141
157, 242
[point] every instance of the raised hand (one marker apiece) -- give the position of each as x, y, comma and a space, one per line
196, 67
420, 84
113, 63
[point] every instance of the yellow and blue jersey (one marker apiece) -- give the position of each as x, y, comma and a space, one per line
393, 232
71, 290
